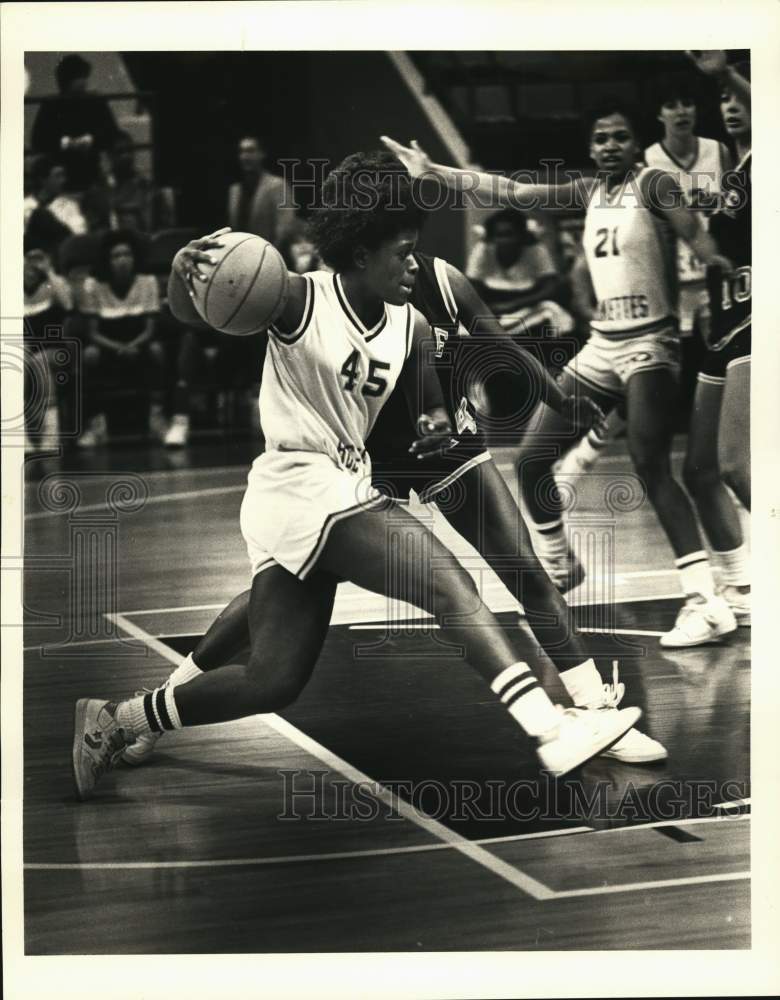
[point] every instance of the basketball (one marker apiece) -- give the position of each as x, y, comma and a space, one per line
247, 287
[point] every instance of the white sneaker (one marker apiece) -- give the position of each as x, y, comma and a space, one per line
575, 462
700, 620
95, 434
178, 433
98, 743
634, 747
582, 735
143, 748
739, 603
566, 572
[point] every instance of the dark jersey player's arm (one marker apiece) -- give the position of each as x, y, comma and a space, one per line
419, 380
521, 375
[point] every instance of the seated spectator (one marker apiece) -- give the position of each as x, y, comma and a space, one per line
50, 215
516, 277
126, 199
121, 307
47, 302
76, 126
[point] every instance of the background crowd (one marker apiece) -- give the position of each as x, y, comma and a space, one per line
100, 235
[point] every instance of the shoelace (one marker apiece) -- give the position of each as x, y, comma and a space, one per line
613, 693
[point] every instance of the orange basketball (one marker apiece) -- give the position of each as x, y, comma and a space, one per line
247, 287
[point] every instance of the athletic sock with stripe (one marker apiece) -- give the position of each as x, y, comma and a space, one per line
526, 701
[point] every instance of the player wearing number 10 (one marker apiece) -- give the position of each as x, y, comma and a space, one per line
633, 215
310, 516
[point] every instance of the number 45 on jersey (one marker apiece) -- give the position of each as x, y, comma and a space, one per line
374, 385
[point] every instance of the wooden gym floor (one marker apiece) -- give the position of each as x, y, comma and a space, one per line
394, 807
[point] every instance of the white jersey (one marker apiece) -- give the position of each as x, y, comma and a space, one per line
326, 381
631, 260
700, 183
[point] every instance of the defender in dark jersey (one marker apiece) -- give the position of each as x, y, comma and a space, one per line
486, 516
719, 438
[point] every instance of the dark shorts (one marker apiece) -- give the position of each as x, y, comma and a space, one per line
429, 478
716, 363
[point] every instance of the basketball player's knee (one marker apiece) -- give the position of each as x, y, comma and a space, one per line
650, 462
733, 467
454, 593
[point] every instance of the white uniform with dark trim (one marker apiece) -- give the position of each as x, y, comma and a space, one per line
323, 386
701, 184
631, 257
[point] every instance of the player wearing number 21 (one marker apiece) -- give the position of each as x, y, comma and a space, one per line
633, 215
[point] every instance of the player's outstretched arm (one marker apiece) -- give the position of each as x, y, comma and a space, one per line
713, 63
424, 396
522, 376
663, 196
492, 190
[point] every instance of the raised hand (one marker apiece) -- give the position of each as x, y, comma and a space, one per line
413, 157
709, 61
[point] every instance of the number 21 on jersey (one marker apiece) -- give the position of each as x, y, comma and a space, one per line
375, 383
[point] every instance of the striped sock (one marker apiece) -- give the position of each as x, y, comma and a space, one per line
695, 574
733, 566
584, 684
525, 700
155, 712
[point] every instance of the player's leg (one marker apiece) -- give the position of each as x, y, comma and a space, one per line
391, 553
716, 510
288, 621
651, 395
551, 435
491, 522
734, 430
584, 455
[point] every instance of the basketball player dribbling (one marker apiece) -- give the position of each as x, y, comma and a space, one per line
633, 217
467, 338
310, 516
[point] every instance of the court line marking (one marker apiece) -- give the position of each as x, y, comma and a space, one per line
603, 890
514, 876
285, 859
210, 491
222, 604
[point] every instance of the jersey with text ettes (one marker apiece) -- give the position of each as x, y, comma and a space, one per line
631, 255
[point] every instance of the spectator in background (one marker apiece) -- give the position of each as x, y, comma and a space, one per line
125, 198
76, 126
261, 202
121, 307
515, 275
47, 302
50, 215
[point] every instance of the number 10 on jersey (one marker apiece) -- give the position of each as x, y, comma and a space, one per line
374, 385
